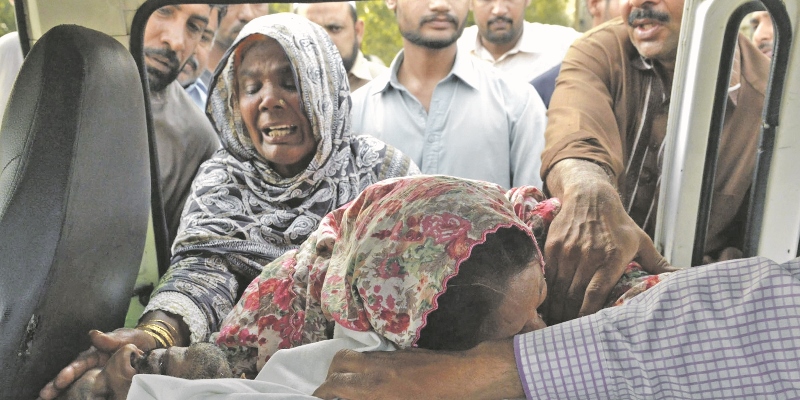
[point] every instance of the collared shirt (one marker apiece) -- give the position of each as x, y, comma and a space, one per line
363, 71
721, 331
198, 93
184, 139
479, 126
610, 106
540, 48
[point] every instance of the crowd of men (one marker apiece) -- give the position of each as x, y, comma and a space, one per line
506, 101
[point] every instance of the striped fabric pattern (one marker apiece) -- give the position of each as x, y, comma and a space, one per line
729, 330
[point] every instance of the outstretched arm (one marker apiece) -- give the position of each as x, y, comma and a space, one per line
590, 241
488, 371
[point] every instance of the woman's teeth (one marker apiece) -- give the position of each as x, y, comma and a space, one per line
278, 131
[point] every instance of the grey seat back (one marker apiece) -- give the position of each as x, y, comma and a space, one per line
74, 202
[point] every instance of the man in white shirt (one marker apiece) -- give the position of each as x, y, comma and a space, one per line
520, 49
452, 114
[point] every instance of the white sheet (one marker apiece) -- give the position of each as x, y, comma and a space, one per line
290, 374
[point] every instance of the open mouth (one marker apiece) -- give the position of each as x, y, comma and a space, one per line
646, 28
278, 131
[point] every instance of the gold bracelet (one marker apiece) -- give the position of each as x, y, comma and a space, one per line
159, 342
162, 336
163, 332
167, 324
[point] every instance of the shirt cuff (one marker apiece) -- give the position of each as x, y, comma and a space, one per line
179, 304
563, 361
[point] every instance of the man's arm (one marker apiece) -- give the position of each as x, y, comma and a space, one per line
590, 241
726, 330
488, 371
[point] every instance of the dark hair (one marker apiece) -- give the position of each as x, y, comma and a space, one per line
353, 13
223, 9
465, 316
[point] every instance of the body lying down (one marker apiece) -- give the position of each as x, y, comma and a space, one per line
432, 262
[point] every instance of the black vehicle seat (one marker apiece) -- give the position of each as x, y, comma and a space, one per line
74, 202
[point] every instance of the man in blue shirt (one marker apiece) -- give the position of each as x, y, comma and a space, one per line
448, 112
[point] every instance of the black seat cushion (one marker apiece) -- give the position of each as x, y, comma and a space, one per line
74, 202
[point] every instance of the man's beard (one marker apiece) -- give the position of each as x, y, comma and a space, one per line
435, 44
503, 37
350, 61
158, 79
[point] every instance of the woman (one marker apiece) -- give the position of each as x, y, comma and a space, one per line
281, 105
430, 261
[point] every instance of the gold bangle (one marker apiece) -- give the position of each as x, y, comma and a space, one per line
159, 342
172, 328
162, 332
158, 332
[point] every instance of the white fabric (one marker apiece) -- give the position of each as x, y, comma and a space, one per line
10, 63
365, 69
540, 48
289, 374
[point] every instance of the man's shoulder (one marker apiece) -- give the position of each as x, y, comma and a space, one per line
360, 96
610, 39
550, 32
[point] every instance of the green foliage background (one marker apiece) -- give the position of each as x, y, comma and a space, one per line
8, 22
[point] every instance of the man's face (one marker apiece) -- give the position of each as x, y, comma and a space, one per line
170, 38
198, 63
517, 313
237, 17
603, 10
654, 27
763, 35
499, 21
337, 19
432, 24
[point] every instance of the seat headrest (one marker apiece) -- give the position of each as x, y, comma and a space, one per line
74, 202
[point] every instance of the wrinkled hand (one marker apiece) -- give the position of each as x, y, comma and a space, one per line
486, 371
119, 372
589, 244
103, 346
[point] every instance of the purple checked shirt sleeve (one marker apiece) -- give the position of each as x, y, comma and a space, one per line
729, 330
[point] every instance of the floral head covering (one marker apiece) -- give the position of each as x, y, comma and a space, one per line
377, 264
242, 214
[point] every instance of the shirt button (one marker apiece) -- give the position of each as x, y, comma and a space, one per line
431, 139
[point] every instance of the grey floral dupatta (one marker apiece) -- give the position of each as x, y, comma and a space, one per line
242, 214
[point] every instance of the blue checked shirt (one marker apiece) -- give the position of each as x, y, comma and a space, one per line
729, 330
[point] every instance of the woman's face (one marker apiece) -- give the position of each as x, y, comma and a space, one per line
271, 108
517, 313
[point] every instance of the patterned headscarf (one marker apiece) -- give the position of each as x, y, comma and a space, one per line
241, 213
378, 264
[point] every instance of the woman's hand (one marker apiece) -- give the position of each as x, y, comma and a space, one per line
103, 346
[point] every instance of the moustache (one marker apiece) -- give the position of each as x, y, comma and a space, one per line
647, 13
169, 55
192, 63
500, 18
430, 18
